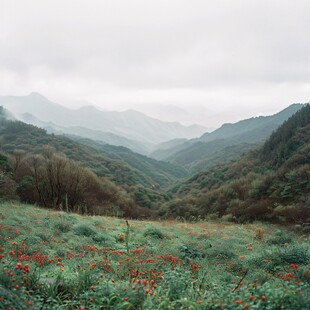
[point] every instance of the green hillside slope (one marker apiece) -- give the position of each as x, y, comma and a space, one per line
161, 173
138, 175
118, 163
225, 143
269, 183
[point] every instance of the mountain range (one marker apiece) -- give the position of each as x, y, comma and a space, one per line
253, 169
189, 147
129, 128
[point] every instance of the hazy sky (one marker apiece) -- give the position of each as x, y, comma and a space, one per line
195, 61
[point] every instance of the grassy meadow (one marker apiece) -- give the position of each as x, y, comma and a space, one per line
57, 260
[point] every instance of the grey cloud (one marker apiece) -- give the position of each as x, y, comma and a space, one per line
114, 46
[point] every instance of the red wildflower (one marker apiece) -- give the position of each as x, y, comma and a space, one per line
18, 266
26, 269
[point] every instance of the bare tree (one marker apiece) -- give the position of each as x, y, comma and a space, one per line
35, 169
16, 159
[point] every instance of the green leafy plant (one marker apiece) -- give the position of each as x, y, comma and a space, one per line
153, 232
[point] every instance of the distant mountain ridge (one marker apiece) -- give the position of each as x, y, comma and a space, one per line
97, 135
169, 142
130, 124
259, 127
227, 142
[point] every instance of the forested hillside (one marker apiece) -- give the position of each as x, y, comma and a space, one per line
162, 174
269, 183
141, 178
227, 142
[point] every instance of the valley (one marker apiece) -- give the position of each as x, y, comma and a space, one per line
223, 223
154, 155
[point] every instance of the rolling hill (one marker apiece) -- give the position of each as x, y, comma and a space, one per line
225, 143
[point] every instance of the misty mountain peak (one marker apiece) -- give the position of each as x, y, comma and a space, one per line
37, 95
130, 124
88, 108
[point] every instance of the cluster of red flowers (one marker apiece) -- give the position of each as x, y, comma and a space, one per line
1, 255
172, 259
194, 267
36, 257
289, 276
10, 229
25, 268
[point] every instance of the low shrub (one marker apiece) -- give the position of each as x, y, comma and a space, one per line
104, 239
86, 230
190, 251
153, 232
63, 226
295, 254
280, 237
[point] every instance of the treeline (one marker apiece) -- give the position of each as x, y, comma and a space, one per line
54, 181
271, 183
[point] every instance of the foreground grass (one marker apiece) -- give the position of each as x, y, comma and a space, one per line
54, 260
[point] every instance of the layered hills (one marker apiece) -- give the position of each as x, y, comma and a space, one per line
225, 143
268, 179
189, 147
267, 183
143, 178
90, 122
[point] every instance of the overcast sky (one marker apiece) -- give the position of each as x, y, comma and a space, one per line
196, 61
